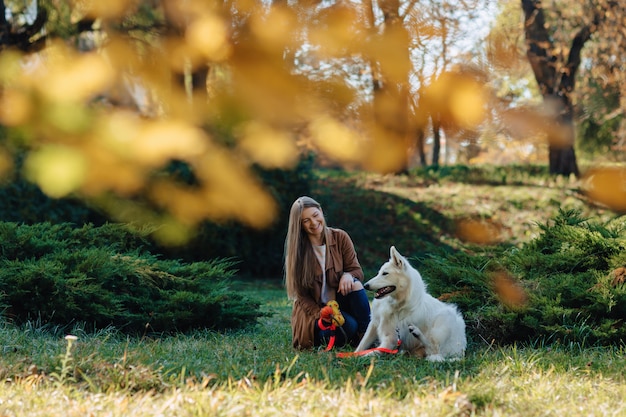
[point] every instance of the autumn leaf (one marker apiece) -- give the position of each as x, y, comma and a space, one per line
607, 186
508, 290
479, 231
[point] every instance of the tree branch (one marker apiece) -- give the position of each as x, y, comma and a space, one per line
539, 46
573, 61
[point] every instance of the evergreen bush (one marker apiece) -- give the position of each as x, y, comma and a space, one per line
566, 285
24, 202
103, 276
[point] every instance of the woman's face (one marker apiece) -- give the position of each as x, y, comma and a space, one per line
313, 221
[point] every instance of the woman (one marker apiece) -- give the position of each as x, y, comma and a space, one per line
320, 266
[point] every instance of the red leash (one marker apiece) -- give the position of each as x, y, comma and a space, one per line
332, 328
331, 310
366, 351
331, 343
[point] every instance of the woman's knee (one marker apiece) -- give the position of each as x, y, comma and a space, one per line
357, 286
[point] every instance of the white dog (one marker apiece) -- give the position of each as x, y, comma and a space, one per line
403, 310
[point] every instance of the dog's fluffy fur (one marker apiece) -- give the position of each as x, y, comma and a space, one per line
402, 308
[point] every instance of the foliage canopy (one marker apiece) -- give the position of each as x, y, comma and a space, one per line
103, 97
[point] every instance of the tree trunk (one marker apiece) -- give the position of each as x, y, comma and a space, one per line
556, 82
436, 140
563, 161
419, 144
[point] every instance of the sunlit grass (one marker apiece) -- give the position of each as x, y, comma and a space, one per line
503, 382
256, 372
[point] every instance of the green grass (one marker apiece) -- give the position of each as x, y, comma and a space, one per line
256, 372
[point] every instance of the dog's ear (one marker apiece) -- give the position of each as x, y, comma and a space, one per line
396, 258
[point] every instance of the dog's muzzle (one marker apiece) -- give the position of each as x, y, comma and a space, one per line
380, 293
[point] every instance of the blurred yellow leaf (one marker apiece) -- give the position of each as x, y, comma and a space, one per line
104, 9
607, 186
335, 139
121, 55
502, 50
16, 107
117, 129
186, 204
74, 77
230, 191
384, 154
172, 233
274, 29
479, 231
391, 50
10, 65
226, 191
459, 98
180, 54
269, 147
508, 290
182, 12
209, 35
277, 98
158, 142
68, 117
109, 170
467, 104
57, 170
336, 30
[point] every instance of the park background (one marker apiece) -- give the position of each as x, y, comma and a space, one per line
150, 151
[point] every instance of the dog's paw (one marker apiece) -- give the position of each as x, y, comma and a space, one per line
416, 332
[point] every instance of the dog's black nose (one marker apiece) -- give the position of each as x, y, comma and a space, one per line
366, 286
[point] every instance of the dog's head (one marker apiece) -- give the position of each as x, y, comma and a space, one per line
392, 279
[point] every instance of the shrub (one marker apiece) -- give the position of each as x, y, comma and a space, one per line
103, 276
23, 202
566, 285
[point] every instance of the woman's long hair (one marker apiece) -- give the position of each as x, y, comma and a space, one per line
300, 260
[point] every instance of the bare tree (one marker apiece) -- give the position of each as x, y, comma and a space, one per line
555, 68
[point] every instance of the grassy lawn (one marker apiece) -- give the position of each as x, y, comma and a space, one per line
255, 372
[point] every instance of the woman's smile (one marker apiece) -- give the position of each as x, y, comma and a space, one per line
313, 221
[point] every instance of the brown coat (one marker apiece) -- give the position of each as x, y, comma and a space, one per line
340, 258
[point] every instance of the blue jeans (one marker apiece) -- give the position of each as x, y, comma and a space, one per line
355, 308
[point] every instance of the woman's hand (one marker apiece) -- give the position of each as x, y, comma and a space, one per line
348, 283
